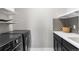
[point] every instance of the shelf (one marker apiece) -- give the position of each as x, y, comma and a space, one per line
2, 20
7, 11
6, 23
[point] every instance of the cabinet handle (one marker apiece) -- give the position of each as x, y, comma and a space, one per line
17, 41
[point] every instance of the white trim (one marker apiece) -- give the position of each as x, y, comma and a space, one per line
41, 49
68, 13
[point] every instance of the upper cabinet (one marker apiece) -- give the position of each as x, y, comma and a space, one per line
72, 12
8, 11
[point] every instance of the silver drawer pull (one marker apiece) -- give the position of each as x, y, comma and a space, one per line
17, 41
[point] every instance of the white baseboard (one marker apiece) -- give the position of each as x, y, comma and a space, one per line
41, 49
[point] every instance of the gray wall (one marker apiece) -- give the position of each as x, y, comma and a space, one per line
59, 23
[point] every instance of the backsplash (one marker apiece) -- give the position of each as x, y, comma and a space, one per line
59, 23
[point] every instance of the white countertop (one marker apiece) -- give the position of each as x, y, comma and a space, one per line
72, 38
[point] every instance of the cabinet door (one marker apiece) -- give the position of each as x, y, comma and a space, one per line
19, 47
55, 44
59, 46
63, 49
28, 41
69, 46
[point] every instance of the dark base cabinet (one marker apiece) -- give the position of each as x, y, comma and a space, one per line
17, 40
14, 45
26, 37
62, 45
57, 43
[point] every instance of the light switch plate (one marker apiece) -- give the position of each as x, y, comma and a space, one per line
74, 26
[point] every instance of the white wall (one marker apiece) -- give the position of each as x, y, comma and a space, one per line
21, 19
41, 28
39, 21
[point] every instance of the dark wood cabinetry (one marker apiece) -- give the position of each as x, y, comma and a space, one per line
62, 45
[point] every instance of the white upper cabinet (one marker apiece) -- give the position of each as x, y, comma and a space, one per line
9, 11
74, 14
70, 12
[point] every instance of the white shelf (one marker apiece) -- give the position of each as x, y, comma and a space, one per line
6, 23
7, 11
